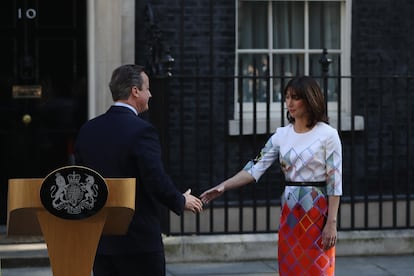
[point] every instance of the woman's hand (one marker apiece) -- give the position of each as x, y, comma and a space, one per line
211, 194
239, 179
329, 235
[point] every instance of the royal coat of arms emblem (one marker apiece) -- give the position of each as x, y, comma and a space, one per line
73, 192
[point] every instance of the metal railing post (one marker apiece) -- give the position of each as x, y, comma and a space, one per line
325, 62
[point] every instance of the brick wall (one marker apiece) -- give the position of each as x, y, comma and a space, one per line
201, 34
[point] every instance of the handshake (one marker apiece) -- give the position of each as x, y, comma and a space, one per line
195, 204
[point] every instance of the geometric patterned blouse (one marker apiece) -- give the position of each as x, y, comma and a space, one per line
312, 156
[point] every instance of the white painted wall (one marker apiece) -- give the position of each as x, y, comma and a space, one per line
111, 43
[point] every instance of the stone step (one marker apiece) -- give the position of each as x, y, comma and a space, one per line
32, 251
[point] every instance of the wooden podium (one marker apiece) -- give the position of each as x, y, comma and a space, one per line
71, 244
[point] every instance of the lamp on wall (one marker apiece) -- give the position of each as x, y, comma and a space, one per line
325, 62
159, 61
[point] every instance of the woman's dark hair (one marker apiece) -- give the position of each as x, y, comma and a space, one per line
308, 89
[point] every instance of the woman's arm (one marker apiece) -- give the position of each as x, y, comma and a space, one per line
240, 179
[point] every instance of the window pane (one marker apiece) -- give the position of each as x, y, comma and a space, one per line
252, 25
324, 25
284, 67
254, 77
316, 70
288, 27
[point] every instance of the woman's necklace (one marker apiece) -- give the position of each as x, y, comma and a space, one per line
300, 128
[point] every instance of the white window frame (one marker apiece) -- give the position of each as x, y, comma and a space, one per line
275, 108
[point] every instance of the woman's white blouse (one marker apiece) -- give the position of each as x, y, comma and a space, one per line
312, 156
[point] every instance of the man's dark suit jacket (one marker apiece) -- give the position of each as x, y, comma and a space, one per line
120, 144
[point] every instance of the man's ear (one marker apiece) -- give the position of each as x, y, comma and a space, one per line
135, 91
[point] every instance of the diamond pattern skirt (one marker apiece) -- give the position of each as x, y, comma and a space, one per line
300, 250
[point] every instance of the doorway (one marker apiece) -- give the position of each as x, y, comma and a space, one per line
43, 87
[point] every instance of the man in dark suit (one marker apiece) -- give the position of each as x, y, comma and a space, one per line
121, 144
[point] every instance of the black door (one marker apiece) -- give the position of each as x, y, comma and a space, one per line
42, 86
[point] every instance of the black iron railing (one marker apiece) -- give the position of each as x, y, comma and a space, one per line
209, 135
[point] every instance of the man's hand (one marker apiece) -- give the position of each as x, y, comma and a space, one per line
192, 203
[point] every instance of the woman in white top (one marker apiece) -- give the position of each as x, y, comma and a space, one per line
310, 156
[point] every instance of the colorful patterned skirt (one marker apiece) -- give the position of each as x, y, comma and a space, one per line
300, 250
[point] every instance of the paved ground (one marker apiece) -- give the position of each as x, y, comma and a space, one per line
345, 266
28, 257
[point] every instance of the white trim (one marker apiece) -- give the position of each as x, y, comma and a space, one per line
91, 58
346, 32
110, 43
275, 122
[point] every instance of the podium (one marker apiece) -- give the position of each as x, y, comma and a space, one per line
71, 244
